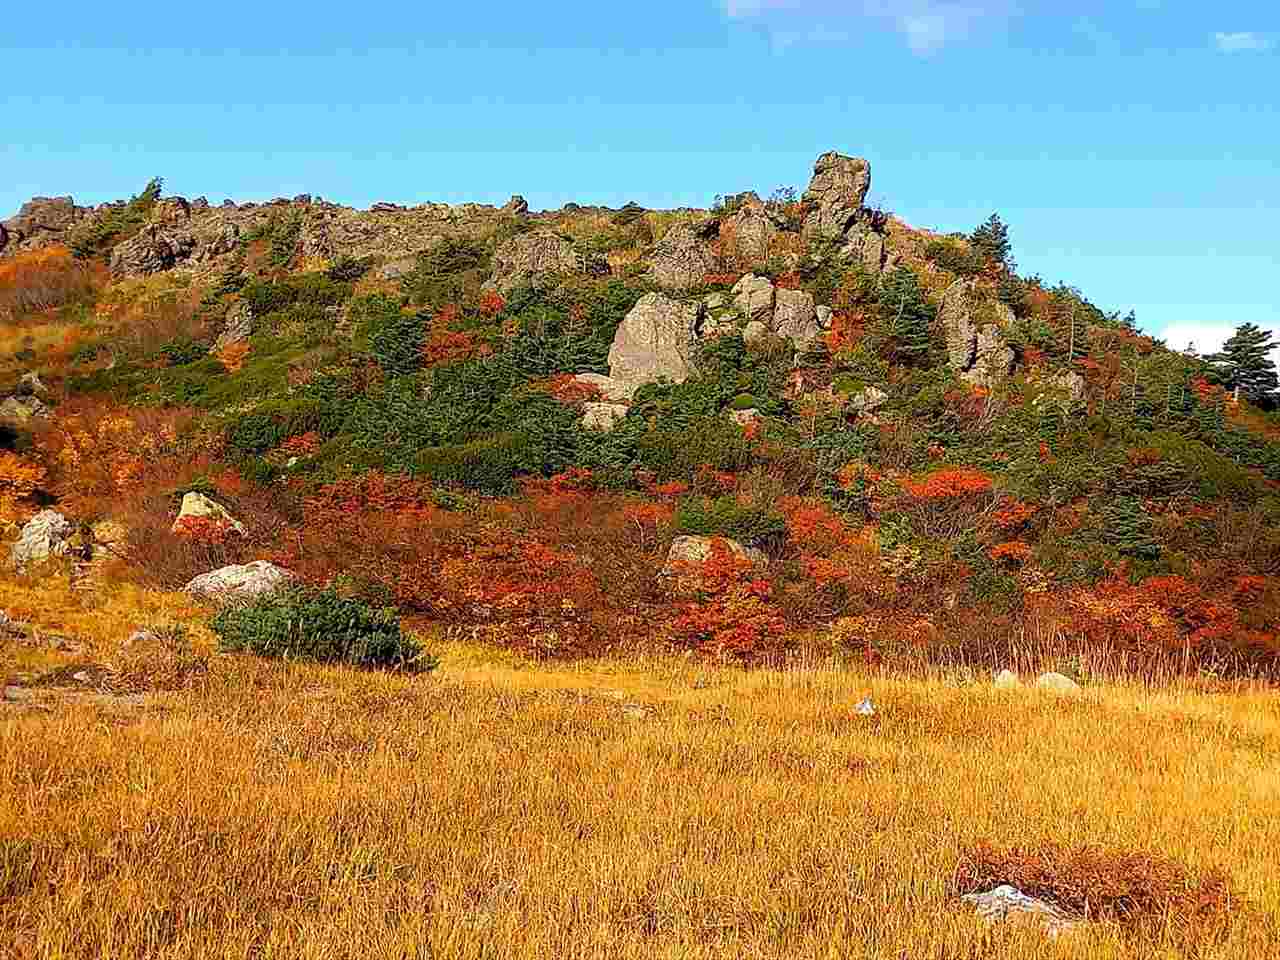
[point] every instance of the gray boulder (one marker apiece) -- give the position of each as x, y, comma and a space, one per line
755, 332
534, 256
867, 401
654, 340
837, 191
237, 326
795, 317
752, 230
754, 298
46, 535
240, 582
683, 257
602, 416
823, 313
863, 245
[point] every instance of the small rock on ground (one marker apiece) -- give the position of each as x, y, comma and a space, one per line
1057, 683
1008, 901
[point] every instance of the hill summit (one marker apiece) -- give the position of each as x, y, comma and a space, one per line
748, 430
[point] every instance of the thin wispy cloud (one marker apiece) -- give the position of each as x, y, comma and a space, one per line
1242, 41
925, 25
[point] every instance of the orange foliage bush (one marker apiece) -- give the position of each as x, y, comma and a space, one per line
233, 355
734, 615
566, 388
44, 279
19, 480
491, 303
949, 484
1014, 553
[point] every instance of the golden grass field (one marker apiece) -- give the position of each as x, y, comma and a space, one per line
632, 808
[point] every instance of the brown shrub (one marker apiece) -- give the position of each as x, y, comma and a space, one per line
44, 280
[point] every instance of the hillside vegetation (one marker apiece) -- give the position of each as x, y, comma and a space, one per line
497, 422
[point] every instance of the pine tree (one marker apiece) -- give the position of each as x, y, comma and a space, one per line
992, 240
907, 315
1245, 363
1128, 527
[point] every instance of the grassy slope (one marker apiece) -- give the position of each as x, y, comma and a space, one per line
492, 810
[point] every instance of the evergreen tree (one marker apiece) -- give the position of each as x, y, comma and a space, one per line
1128, 527
991, 239
1245, 362
907, 316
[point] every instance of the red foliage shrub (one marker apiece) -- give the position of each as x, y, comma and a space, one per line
733, 615
44, 279
491, 303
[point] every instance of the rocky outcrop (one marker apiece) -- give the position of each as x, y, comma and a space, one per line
196, 506
972, 326
39, 222
534, 256
756, 332
517, 206
867, 401
654, 341
240, 582
614, 391
1006, 902
836, 193
754, 298
154, 249
602, 416
787, 313
237, 326
683, 257
45, 536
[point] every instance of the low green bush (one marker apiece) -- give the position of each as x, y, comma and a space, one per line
956, 257
728, 517
321, 626
183, 350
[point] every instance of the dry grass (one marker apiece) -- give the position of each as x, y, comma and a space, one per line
504, 809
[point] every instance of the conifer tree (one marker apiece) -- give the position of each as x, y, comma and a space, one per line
1245, 362
991, 239
907, 315
1128, 527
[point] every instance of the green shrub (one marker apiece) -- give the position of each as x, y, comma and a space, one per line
727, 516
183, 350
956, 257
349, 269
271, 423
313, 289
116, 224
395, 340
303, 624
743, 401
487, 466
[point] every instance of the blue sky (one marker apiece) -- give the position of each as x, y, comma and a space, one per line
1133, 145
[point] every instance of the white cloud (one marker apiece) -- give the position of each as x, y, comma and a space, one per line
1242, 41
1205, 337
926, 25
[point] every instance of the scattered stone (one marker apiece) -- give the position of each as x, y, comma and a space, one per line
655, 340
82, 677
1057, 683
867, 400
683, 257
1008, 901
31, 384
602, 416
197, 505
240, 581
46, 535
1007, 680
754, 298
823, 313
744, 417
23, 409
865, 708
534, 256
237, 326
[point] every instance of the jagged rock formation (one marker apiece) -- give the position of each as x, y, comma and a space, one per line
836, 194
46, 535
972, 326
752, 229
684, 257
531, 257
39, 222
237, 326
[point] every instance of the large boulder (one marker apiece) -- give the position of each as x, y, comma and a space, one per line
46, 535
614, 391
196, 506
1006, 902
240, 582
690, 552
40, 221
754, 297
655, 340
796, 318
531, 257
683, 257
971, 325
750, 232
1057, 683
863, 245
836, 193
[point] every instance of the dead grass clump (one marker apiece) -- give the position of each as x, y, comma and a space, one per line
1134, 889
160, 658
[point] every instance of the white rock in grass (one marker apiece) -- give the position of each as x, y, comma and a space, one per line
197, 505
1007, 680
1007, 901
1057, 683
865, 708
245, 581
